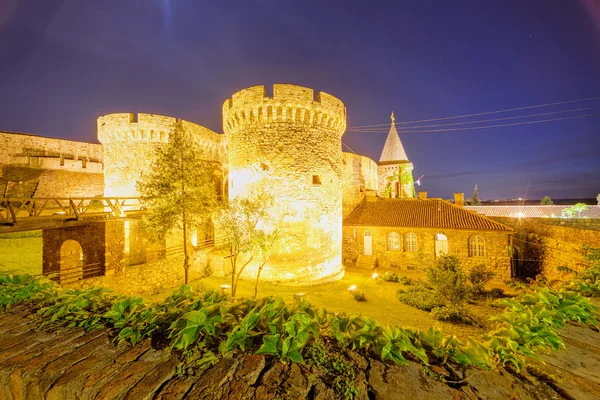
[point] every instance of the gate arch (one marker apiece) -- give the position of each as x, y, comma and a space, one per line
71, 261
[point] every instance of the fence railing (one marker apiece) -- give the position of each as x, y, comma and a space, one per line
75, 274
18, 209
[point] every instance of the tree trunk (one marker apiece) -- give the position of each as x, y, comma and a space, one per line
186, 261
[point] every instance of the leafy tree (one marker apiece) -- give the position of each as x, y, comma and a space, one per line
579, 208
546, 201
179, 189
475, 200
265, 244
449, 282
239, 221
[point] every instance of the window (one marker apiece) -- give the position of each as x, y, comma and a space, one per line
476, 246
316, 180
441, 244
393, 241
410, 242
354, 233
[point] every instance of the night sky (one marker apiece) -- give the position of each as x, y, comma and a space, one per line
64, 63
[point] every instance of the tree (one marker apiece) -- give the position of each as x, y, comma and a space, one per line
546, 201
179, 190
265, 245
475, 200
239, 221
579, 208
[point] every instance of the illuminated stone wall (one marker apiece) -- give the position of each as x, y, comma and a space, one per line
404, 189
359, 175
130, 141
36, 166
292, 142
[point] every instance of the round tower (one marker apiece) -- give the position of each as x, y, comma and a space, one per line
130, 140
291, 144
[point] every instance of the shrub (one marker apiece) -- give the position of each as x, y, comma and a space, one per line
359, 296
449, 282
479, 277
390, 277
446, 314
405, 280
422, 299
496, 292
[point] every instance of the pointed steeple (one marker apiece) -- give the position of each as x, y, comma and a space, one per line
393, 149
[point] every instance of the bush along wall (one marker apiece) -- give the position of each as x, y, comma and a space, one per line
201, 328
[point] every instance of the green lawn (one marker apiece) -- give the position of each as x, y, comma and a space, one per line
382, 304
21, 253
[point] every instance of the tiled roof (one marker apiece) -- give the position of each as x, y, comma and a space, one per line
530, 211
419, 213
393, 149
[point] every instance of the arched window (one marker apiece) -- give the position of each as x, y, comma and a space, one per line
476, 246
441, 244
410, 242
393, 241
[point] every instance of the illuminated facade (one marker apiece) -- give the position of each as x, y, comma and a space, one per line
290, 144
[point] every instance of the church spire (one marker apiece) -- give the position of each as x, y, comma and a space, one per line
393, 149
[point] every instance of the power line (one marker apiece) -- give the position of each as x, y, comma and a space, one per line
479, 121
482, 113
488, 126
344, 144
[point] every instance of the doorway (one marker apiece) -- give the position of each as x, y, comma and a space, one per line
368, 244
441, 245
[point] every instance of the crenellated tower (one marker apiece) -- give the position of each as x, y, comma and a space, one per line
130, 140
291, 143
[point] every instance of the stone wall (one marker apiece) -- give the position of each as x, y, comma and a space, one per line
400, 189
130, 141
291, 143
496, 248
46, 167
543, 247
359, 175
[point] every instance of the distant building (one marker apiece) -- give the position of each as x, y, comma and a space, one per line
537, 211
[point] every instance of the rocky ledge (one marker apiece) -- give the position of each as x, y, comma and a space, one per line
73, 364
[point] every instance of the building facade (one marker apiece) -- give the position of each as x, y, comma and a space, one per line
412, 233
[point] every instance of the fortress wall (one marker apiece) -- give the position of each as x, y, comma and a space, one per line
291, 144
130, 141
46, 167
359, 175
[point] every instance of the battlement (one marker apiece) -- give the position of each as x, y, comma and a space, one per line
289, 104
151, 128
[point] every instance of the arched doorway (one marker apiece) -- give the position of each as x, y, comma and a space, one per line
71, 262
441, 244
368, 244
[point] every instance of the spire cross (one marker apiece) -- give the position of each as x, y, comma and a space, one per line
393, 118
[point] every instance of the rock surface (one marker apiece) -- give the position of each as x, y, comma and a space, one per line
72, 364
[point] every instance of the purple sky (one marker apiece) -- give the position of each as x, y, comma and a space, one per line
64, 63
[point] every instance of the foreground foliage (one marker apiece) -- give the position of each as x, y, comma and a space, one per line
201, 328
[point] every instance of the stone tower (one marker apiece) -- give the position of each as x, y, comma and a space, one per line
394, 163
291, 144
129, 142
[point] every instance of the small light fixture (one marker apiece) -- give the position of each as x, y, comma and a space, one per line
375, 276
352, 288
224, 288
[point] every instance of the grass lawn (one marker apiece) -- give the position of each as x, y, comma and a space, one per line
21, 253
382, 304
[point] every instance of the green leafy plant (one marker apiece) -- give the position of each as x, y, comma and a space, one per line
480, 276
422, 299
390, 277
448, 280
359, 296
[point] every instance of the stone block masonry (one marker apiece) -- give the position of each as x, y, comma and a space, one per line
290, 144
130, 141
36, 166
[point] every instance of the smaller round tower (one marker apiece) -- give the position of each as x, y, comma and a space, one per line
291, 144
130, 140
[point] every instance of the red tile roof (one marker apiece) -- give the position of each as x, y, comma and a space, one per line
420, 213
534, 211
